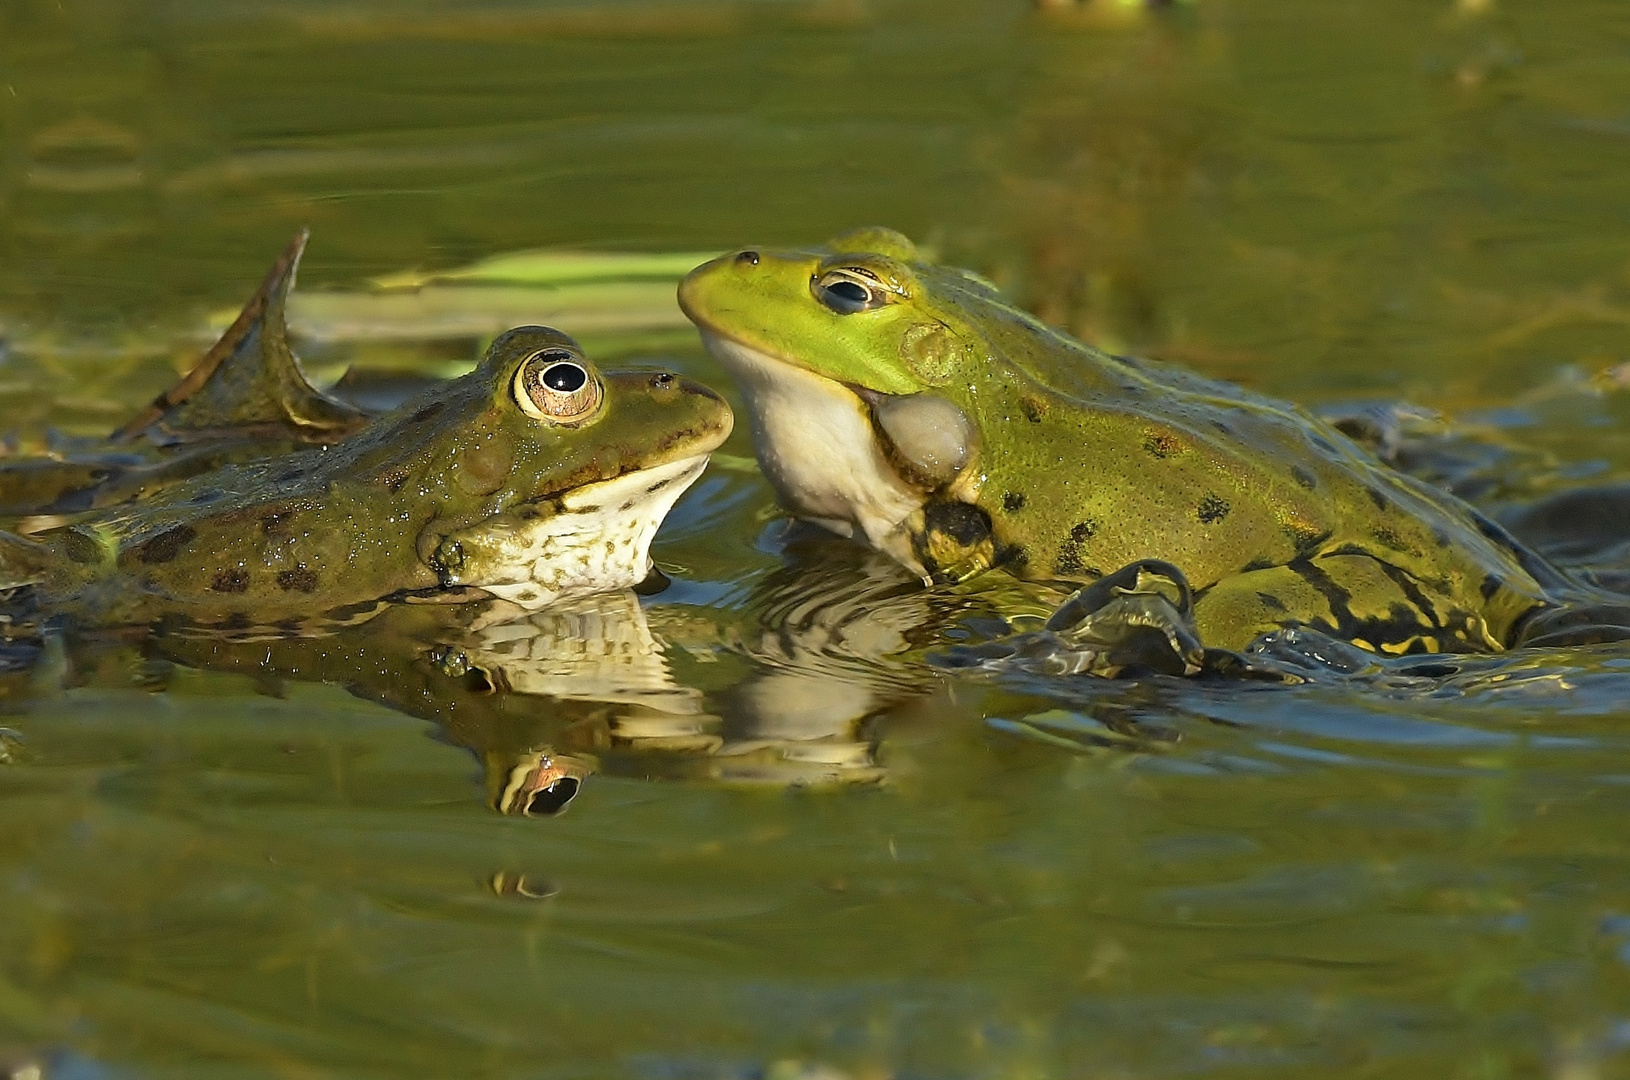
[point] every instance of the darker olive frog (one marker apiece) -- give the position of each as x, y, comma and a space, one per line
532, 478
910, 405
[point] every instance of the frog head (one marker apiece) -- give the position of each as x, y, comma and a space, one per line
853, 359
563, 472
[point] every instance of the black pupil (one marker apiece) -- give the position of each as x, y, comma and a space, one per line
553, 799
564, 378
852, 291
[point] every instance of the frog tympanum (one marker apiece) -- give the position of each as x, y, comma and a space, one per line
911, 405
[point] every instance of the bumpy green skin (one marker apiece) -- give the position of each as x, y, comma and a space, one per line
350, 523
1086, 462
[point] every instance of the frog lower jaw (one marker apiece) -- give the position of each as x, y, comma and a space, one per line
815, 443
594, 539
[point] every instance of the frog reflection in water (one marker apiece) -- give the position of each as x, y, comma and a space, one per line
533, 478
544, 697
910, 405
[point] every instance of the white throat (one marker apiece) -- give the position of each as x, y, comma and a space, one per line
815, 443
599, 539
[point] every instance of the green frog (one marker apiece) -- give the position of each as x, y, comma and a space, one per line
912, 406
533, 478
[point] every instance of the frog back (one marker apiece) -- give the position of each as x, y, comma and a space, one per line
1111, 460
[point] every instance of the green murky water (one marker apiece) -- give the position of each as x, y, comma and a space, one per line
799, 855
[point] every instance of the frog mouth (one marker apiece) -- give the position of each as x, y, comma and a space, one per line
593, 539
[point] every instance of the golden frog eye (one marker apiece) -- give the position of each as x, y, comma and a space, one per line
552, 386
850, 290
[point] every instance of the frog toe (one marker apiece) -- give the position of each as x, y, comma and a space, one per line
1138, 620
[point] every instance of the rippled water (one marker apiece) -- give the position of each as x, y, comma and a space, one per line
797, 850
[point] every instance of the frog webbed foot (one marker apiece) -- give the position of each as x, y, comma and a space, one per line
249, 384
1138, 620
1141, 616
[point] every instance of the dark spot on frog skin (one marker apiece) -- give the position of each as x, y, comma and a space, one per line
1013, 556
1034, 408
1303, 478
288, 475
1271, 602
1013, 501
1161, 445
1261, 562
1222, 426
1439, 537
1069, 552
393, 479
232, 580
81, 545
204, 498
1213, 508
1492, 584
167, 544
962, 522
276, 523
1390, 540
238, 620
1381, 501
427, 412
1307, 539
298, 579
1323, 444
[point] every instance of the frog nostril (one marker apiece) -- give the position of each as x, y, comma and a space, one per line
748, 257
662, 380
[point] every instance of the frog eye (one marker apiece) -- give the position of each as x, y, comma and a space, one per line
850, 290
552, 386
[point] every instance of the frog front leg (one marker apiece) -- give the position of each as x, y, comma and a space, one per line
1138, 619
